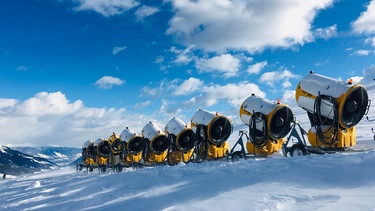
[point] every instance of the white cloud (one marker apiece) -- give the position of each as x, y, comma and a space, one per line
188, 86
325, 33
145, 11
22, 68
142, 104
369, 72
366, 21
118, 49
243, 25
233, 94
107, 82
362, 52
51, 119
45, 103
225, 64
182, 56
106, 7
271, 78
256, 68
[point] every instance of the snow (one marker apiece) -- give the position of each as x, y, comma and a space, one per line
315, 182
322, 182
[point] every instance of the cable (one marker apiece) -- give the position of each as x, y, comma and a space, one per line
258, 137
331, 138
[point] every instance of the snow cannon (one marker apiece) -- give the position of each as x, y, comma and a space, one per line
88, 155
181, 139
269, 123
157, 144
134, 145
212, 131
103, 151
334, 107
116, 150
115, 143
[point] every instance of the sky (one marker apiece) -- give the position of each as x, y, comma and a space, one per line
77, 70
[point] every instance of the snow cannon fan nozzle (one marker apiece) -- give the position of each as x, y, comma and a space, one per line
158, 142
103, 147
219, 127
133, 141
183, 134
115, 142
88, 148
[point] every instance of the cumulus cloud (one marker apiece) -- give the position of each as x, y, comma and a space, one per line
145, 11
188, 86
275, 77
107, 82
106, 7
256, 68
51, 119
233, 94
118, 49
243, 25
225, 64
366, 21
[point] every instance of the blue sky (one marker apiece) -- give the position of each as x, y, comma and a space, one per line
73, 70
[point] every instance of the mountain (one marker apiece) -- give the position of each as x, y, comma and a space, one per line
62, 156
14, 162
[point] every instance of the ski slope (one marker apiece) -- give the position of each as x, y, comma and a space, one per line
324, 182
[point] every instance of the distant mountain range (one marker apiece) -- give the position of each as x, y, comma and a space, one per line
24, 160
62, 156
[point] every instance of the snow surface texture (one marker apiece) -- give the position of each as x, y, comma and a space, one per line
316, 182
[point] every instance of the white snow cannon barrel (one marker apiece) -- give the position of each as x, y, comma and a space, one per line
219, 127
334, 107
103, 147
351, 101
183, 134
158, 142
134, 142
269, 123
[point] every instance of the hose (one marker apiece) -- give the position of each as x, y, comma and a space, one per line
331, 138
258, 137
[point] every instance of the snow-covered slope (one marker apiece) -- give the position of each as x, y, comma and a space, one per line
278, 183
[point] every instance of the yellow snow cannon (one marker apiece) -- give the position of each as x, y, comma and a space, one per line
156, 144
181, 139
88, 155
334, 107
103, 151
116, 151
134, 145
269, 122
212, 131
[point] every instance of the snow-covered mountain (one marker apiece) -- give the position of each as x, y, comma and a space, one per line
14, 162
60, 155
